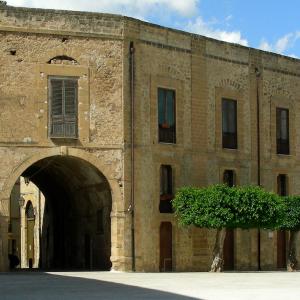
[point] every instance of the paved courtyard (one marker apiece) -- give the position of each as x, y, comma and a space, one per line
176, 286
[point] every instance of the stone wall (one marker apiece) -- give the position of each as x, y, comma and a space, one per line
29, 40
202, 71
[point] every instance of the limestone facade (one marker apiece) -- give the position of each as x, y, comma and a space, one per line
26, 199
94, 48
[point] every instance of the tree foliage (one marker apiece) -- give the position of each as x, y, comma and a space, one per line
291, 213
220, 206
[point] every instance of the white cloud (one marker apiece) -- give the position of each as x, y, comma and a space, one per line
293, 55
228, 18
264, 45
184, 8
283, 44
203, 28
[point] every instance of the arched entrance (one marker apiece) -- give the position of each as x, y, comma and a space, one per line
74, 221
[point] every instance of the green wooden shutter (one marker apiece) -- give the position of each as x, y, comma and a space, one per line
70, 108
63, 115
57, 123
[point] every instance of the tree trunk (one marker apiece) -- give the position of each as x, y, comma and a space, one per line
292, 260
218, 261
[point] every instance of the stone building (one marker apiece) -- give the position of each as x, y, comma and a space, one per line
27, 219
108, 115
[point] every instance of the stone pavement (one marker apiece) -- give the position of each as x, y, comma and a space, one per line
175, 286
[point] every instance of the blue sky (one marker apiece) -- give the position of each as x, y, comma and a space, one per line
271, 25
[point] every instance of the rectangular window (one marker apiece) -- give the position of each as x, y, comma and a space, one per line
282, 131
166, 189
282, 185
229, 178
229, 123
166, 116
63, 107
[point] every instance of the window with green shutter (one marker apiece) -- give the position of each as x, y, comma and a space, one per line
63, 107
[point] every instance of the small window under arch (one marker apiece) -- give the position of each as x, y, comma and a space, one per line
29, 210
229, 178
63, 59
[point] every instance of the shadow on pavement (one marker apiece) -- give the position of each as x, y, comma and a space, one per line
45, 286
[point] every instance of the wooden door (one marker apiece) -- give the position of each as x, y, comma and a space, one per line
165, 264
229, 250
30, 242
281, 249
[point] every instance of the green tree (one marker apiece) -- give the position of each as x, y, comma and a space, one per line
221, 207
291, 221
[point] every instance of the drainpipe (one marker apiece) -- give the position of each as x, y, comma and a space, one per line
131, 69
257, 74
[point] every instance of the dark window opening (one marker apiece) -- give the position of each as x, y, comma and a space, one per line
229, 178
166, 189
29, 211
229, 123
282, 185
282, 131
63, 107
166, 116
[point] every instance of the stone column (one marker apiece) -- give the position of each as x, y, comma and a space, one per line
23, 250
36, 233
4, 220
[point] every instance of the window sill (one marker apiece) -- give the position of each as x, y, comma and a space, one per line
235, 149
284, 155
166, 143
229, 150
63, 138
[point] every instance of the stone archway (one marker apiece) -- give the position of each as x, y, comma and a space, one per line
90, 198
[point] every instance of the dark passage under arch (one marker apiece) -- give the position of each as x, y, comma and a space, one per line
75, 228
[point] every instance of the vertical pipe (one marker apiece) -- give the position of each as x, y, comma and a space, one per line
257, 74
131, 67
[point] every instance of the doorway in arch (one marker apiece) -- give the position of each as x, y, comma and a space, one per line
60, 216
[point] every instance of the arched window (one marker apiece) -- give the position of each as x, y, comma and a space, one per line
63, 59
29, 211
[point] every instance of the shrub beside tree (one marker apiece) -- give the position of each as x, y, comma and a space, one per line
221, 207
